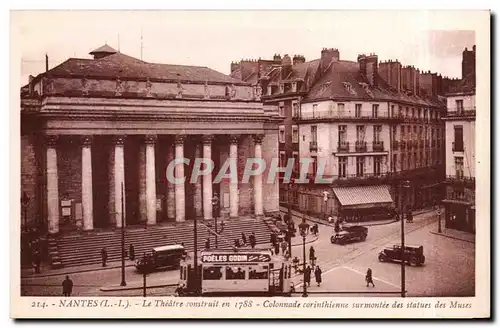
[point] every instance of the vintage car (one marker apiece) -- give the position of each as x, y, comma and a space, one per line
165, 257
414, 255
349, 233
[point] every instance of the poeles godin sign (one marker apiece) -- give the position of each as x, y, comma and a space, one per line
211, 258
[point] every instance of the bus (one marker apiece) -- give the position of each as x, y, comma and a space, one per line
245, 272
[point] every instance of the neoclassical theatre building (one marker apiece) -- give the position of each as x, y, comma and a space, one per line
91, 126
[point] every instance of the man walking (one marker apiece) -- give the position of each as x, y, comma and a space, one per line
369, 278
317, 274
131, 252
312, 255
104, 256
307, 276
67, 286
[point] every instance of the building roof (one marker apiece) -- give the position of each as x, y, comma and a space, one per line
103, 49
127, 67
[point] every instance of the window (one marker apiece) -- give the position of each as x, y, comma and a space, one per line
377, 164
295, 106
341, 108
315, 110
235, 273
458, 144
419, 112
395, 162
377, 129
392, 111
296, 162
314, 133
407, 112
357, 110
414, 136
425, 114
295, 134
342, 133
413, 112
459, 167
375, 110
360, 133
360, 166
400, 111
314, 165
282, 159
415, 160
394, 132
282, 109
281, 136
460, 105
403, 136
421, 133
212, 273
342, 167
403, 162
258, 273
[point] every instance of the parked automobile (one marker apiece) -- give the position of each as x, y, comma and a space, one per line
164, 257
349, 233
414, 255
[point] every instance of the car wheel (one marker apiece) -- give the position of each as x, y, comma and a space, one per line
333, 239
381, 258
413, 261
363, 238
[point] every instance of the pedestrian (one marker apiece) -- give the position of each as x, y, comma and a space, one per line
207, 243
37, 260
253, 240
244, 238
237, 243
312, 255
104, 256
317, 274
67, 286
276, 248
284, 246
369, 278
316, 229
273, 238
131, 252
307, 276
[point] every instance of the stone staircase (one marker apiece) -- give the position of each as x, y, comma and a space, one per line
85, 249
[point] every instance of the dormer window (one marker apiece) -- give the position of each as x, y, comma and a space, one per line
287, 87
269, 90
294, 86
282, 87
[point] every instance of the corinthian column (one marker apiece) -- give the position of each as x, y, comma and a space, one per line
233, 184
257, 179
119, 179
52, 186
87, 195
170, 186
150, 180
207, 179
180, 194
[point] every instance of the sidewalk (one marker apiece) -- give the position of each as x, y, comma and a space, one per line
456, 234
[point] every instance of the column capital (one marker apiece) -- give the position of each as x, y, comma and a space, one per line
118, 140
234, 139
257, 138
207, 139
150, 139
51, 140
87, 141
179, 139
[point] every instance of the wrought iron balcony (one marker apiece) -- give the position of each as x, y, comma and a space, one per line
343, 147
361, 146
313, 146
462, 112
459, 178
378, 146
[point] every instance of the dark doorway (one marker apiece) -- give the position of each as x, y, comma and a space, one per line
101, 150
131, 157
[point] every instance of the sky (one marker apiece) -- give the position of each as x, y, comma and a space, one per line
428, 40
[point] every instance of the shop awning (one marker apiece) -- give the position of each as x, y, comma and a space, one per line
363, 195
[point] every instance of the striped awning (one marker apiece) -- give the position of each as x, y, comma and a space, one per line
363, 195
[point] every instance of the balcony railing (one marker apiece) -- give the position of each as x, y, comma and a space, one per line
457, 146
361, 146
313, 146
460, 178
343, 147
378, 146
462, 112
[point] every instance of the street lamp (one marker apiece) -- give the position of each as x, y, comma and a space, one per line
405, 184
325, 199
439, 218
215, 210
25, 202
123, 282
304, 230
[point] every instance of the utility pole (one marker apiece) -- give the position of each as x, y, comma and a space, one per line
406, 185
195, 257
144, 286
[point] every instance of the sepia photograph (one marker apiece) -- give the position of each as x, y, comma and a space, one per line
274, 155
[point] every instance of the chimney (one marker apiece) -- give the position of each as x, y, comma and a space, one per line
277, 59
234, 66
390, 71
30, 84
362, 65
46, 63
327, 57
409, 79
372, 69
286, 64
468, 62
298, 59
